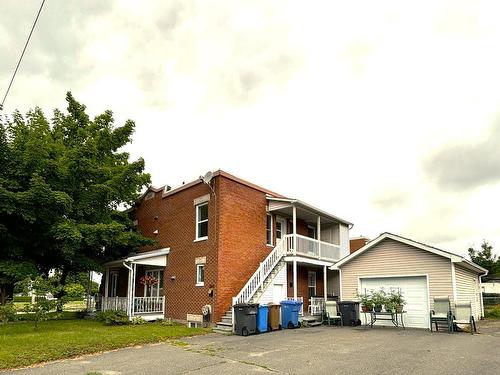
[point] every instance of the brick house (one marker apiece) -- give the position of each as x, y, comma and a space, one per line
225, 241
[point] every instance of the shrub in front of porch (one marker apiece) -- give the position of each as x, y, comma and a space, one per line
112, 317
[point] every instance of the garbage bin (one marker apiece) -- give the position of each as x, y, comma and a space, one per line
290, 314
273, 320
262, 318
245, 318
350, 313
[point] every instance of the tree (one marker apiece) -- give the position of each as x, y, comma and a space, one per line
62, 185
485, 258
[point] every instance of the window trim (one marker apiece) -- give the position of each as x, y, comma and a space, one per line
197, 208
198, 266
270, 230
315, 286
153, 272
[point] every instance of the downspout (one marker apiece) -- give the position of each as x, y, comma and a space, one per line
129, 299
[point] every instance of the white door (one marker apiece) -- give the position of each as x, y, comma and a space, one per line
277, 293
280, 228
414, 291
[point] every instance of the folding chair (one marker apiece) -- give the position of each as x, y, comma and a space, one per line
331, 313
463, 315
441, 312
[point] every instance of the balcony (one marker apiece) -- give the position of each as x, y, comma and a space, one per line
298, 245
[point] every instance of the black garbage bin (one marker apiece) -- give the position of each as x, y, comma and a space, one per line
350, 313
245, 318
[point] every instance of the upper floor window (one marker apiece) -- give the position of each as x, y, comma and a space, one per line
269, 230
202, 221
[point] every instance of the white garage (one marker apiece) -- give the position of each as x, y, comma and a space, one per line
420, 271
414, 291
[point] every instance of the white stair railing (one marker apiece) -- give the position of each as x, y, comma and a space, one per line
262, 272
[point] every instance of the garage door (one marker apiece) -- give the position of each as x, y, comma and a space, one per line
414, 291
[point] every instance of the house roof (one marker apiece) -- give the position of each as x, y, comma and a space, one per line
308, 207
219, 172
455, 258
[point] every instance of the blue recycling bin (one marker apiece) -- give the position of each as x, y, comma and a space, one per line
262, 313
290, 314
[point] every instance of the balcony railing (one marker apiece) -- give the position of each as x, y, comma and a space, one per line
297, 244
149, 305
113, 303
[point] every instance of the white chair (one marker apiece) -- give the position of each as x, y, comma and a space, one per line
441, 312
463, 315
332, 313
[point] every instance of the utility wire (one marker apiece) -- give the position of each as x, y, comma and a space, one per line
22, 54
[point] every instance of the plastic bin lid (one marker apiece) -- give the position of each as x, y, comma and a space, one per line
290, 302
246, 305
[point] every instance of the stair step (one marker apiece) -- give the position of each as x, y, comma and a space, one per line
223, 331
225, 324
227, 320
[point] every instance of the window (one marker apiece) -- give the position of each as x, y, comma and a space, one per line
154, 290
269, 230
279, 229
311, 283
114, 283
200, 275
311, 231
202, 221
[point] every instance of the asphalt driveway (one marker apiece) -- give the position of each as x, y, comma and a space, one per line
319, 350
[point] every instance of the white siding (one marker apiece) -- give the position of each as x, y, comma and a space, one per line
344, 240
333, 283
268, 294
468, 289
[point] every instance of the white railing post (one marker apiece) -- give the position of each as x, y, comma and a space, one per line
294, 225
318, 234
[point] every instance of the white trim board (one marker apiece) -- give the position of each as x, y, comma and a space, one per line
453, 257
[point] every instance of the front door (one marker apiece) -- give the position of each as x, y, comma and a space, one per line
153, 290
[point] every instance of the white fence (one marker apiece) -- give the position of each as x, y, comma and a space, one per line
149, 304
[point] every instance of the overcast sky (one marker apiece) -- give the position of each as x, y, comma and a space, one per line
384, 113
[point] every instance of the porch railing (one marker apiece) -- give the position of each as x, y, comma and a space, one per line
297, 244
149, 305
113, 303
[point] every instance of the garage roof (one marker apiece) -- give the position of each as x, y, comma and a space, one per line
453, 257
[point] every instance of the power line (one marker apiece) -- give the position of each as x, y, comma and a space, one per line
22, 54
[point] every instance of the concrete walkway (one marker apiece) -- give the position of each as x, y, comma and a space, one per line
319, 350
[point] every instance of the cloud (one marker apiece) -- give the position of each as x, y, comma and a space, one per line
391, 198
465, 166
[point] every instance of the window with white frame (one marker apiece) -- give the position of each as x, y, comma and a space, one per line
311, 283
202, 221
155, 286
269, 230
200, 275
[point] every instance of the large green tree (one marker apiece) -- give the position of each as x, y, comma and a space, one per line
63, 186
486, 258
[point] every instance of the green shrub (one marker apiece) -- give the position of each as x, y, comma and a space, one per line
7, 313
112, 318
492, 312
74, 291
136, 320
39, 310
167, 322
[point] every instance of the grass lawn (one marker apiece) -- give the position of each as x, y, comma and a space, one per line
21, 345
492, 311
70, 306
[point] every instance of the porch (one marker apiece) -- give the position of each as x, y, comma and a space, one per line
135, 285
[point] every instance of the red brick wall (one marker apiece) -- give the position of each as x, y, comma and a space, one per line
302, 282
356, 244
176, 223
242, 242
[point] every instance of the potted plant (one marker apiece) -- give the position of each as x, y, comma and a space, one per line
396, 298
366, 302
390, 307
379, 298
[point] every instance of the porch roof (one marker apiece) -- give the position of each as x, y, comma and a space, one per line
153, 258
304, 210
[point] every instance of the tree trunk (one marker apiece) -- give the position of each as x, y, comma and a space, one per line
61, 293
6, 293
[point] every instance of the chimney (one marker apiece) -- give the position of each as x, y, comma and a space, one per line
357, 243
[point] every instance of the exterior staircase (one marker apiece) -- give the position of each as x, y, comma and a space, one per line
225, 326
256, 285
